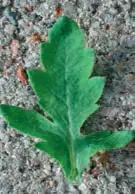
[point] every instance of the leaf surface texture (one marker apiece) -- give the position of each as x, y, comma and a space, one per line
65, 91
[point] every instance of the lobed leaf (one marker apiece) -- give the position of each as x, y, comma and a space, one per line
67, 93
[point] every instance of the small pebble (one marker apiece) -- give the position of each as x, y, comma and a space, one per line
107, 27
14, 46
50, 25
10, 15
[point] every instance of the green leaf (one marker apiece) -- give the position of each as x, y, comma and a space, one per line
100, 141
65, 91
28, 121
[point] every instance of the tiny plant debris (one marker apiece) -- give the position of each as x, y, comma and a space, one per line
66, 93
21, 75
36, 37
58, 11
102, 158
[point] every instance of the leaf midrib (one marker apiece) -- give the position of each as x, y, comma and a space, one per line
71, 134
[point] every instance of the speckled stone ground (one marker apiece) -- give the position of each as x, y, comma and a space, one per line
108, 29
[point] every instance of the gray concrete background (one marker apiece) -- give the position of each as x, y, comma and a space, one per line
108, 29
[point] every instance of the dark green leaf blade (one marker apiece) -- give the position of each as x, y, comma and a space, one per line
100, 141
66, 92
85, 106
64, 97
115, 140
28, 121
59, 150
50, 100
